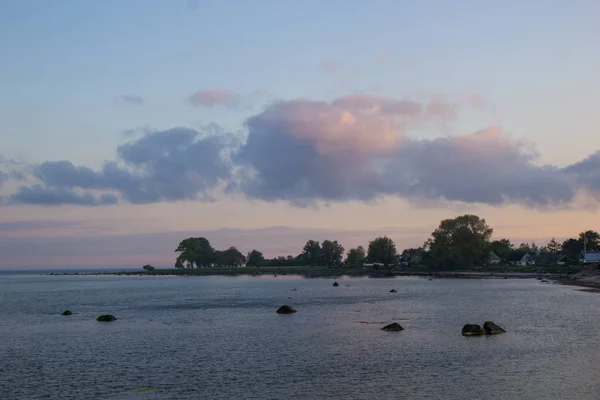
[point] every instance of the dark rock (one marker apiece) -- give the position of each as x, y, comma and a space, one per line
491, 328
393, 327
336, 284
393, 291
106, 318
286, 310
472, 330
66, 312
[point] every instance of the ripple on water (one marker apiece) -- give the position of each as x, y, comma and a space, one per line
216, 338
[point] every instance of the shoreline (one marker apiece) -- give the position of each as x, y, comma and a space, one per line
569, 279
326, 273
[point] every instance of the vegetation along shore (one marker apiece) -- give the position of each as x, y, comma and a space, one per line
460, 247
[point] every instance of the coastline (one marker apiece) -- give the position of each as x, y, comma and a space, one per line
588, 282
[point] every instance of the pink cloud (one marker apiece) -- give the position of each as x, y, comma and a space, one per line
210, 98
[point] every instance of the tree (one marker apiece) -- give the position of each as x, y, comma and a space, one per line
179, 264
382, 250
356, 257
592, 240
311, 253
332, 252
230, 257
553, 247
255, 258
529, 248
572, 247
461, 242
502, 248
148, 267
196, 251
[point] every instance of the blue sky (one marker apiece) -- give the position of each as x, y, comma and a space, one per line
65, 67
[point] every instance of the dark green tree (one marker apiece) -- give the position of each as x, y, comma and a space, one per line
382, 250
592, 240
356, 257
461, 242
231, 257
553, 247
311, 253
332, 253
148, 267
195, 251
502, 248
571, 248
255, 258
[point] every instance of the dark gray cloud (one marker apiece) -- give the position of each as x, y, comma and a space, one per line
587, 171
128, 98
177, 164
480, 168
354, 148
51, 196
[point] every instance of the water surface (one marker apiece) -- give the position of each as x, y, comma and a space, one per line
220, 338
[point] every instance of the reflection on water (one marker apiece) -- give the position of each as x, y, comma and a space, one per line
220, 338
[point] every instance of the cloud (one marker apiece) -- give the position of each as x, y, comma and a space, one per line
49, 196
328, 67
210, 98
34, 225
131, 99
3, 178
177, 164
587, 171
354, 148
357, 148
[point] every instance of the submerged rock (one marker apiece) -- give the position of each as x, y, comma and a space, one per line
66, 312
472, 330
393, 291
106, 318
285, 309
393, 327
491, 328
336, 284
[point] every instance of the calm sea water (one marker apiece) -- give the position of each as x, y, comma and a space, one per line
220, 338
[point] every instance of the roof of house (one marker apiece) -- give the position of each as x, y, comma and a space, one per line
519, 256
559, 257
592, 256
494, 256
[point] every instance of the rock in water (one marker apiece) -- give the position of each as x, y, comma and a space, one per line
393, 327
491, 328
393, 291
286, 310
66, 312
336, 284
106, 318
472, 330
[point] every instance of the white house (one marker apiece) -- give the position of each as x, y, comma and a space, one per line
589, 257
521, 259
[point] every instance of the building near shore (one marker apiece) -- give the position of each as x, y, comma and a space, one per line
589, 257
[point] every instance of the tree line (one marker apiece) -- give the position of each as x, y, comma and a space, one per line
458, 243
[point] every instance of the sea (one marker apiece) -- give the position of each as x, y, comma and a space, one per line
220, 338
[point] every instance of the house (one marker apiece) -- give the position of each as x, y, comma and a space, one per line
589, 257
522, 259
404, 259
560, 260
494, 258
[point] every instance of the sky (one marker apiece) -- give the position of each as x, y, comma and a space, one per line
126, 126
